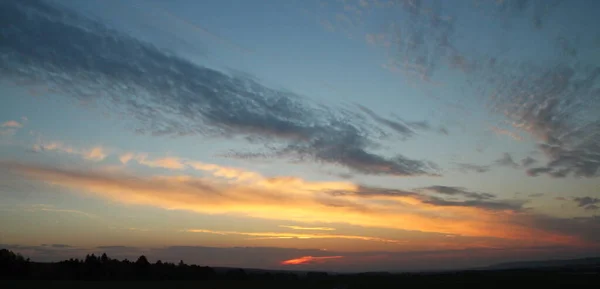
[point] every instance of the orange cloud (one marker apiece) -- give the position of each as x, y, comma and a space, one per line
307, 228
126, 157
96, 153
11, 124
309, 260
511, 134
289, 199
278, 235
175, 163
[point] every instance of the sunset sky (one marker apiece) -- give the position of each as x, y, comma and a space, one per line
354, 135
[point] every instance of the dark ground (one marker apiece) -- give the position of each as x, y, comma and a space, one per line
106, 273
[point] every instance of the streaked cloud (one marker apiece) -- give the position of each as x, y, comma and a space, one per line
96, 153
298, 200
10, 127
11, 124
457, 191
53, 209
507, 161
506, 132
167, 95
466, 168
567, 127
528, 161
283, 235
588, 203
310, 260
307, 228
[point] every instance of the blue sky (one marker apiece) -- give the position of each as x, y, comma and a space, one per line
361, 129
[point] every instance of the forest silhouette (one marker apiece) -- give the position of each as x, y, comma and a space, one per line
14, 266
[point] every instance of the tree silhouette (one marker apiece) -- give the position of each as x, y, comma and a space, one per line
104, 259
14, 266
142, 261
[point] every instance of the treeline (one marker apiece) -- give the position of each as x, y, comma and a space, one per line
15, 266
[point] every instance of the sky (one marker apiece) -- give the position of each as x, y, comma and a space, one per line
365, 135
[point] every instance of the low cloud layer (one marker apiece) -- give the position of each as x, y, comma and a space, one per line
454, 211
282, 235
167, 95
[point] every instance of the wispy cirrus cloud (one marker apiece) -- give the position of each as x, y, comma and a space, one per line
466, 168
11, 124
506, 132
10, 127
283, 235
507, 161
96, 153
310, 260
167, 95
553, 100
588, 203
458, 191
307, 228
558, 106
292, 199
406, 129
527, 161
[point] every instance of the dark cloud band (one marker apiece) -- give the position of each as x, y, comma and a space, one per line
42, 44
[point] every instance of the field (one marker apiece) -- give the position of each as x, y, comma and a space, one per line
37, 284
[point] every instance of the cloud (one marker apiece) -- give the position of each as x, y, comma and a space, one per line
167, 163
291, 199
507, 161
125, 158
97, 153
484, 201
492, 205
166, 95
307, 228
60, 246
528, 161
458, 191
171, 163
280, 235
11, 124
10, 127
561, 113
51, 208
587, 203
466, 168
404, 128
554, 101
400, 128
509, 133
177, 163
588, 228
309, 260
373, 192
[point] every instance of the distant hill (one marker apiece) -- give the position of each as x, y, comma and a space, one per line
585, 263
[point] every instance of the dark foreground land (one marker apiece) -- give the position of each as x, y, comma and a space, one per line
103, 272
